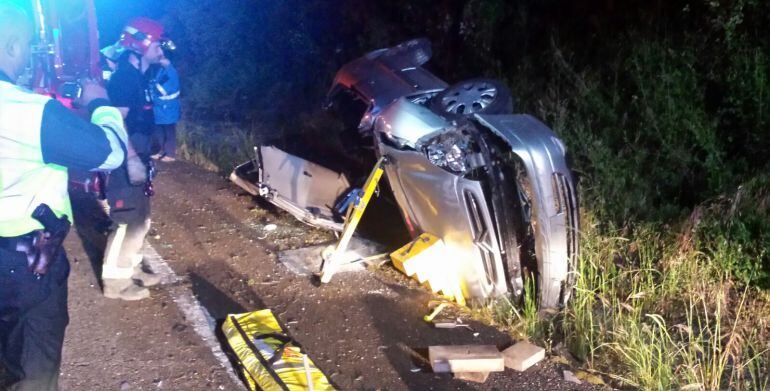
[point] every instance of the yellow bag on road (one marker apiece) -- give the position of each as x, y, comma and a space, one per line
270, 359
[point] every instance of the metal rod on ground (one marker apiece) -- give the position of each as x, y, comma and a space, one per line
371, 258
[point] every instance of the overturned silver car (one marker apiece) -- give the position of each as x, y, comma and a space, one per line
493, 185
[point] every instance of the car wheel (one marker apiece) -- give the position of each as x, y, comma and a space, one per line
474, 96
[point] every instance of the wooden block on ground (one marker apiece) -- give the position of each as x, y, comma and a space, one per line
523, 355
466, 358
476, 377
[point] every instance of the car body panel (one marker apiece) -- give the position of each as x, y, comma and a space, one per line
554, 196
434, 201
306, 190
406, 123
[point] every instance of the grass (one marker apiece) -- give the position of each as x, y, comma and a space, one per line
217, 146
650, 312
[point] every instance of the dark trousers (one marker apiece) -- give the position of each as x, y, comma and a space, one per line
166, 139
130, 214
33, 316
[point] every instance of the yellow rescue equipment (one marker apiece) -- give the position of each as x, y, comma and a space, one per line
270, 359
355, 212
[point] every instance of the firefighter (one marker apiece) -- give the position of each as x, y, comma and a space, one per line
123, 273
166, 108
108, 60
39, 140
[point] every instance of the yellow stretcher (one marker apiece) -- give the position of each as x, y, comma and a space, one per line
270, 359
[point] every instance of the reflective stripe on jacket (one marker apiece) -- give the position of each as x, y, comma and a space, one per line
166, 96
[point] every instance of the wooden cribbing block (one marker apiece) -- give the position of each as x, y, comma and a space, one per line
476, 377
466, 358
523, 355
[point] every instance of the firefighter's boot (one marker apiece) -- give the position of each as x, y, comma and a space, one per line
144, 278
124, 289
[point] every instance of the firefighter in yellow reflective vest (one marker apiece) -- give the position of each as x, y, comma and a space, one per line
39, 140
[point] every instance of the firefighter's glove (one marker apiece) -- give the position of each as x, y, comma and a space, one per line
137, 172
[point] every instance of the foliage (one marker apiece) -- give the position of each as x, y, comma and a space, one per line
652, 311
215, 146
738, 235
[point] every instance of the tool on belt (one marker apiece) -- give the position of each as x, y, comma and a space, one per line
152, 172
48, 242
44, 245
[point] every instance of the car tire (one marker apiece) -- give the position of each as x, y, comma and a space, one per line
474, 96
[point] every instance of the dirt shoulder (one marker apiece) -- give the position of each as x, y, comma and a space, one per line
363, 329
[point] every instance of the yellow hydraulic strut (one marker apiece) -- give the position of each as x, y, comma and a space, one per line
353, 217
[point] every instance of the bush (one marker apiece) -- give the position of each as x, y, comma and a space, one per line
736, 233
216, 146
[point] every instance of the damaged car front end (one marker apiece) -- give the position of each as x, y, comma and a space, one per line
493, 186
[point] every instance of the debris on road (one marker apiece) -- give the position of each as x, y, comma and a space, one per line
466, 358
523, 355
570, 377
589, 378
270, 227
451, 325
435, 312
307, 261
560, 360
476, 377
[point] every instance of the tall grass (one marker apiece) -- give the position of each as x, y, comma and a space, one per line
651, 314
655, 308
681, 324
217, 146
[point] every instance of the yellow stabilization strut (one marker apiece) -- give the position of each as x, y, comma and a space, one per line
353, 217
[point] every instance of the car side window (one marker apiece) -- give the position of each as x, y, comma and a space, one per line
348, 108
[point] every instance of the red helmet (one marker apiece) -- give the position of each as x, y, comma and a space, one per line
139, 33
